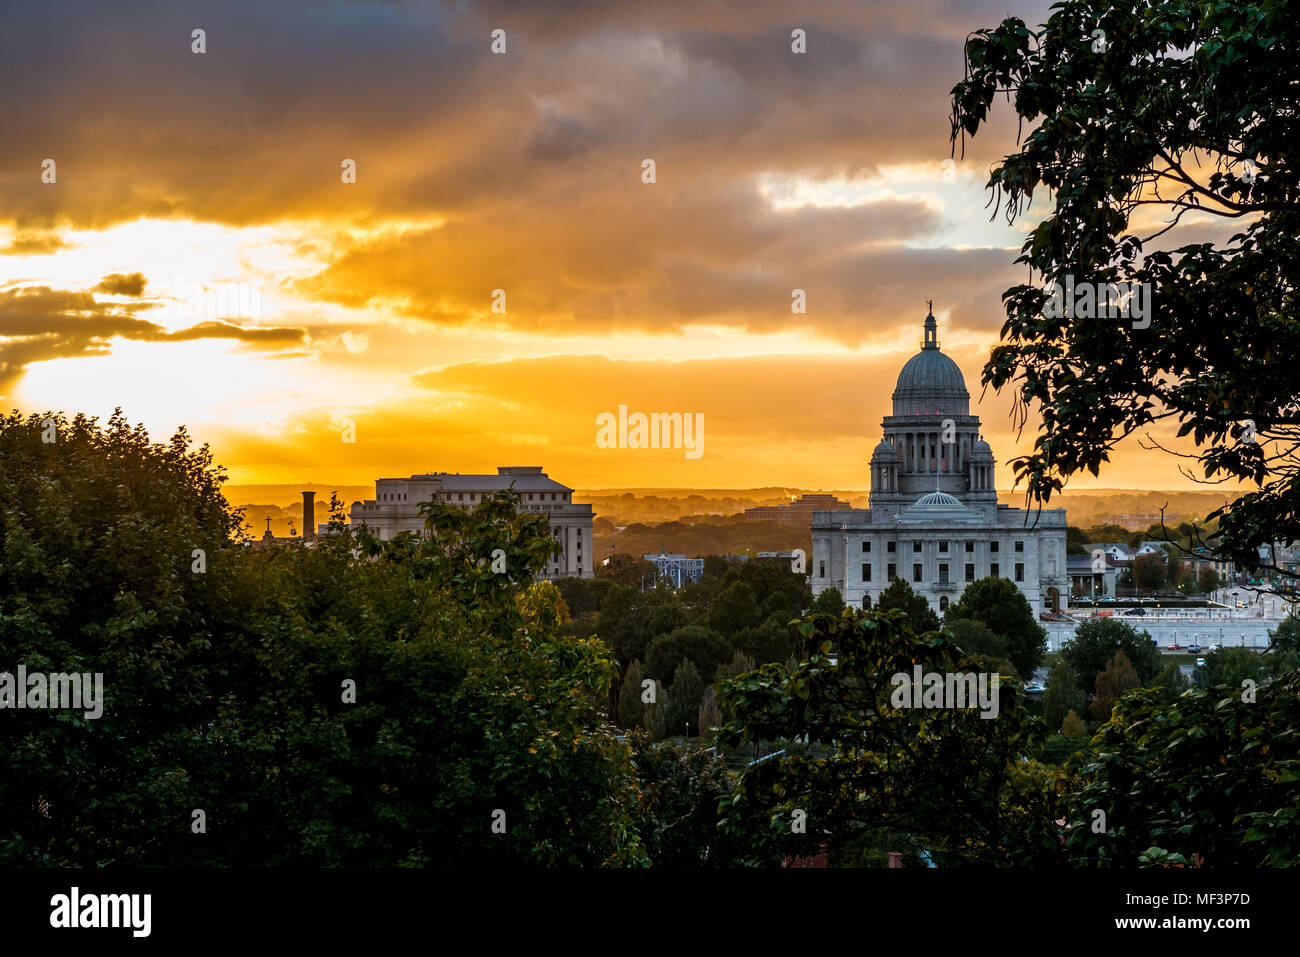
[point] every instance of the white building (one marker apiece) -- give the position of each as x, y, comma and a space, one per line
394, 509
933, 516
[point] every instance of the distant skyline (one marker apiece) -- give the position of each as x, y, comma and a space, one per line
338, 310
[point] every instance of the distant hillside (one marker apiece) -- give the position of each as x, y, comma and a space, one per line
1134, 508
710, 521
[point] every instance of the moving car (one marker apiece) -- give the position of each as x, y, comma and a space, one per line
1193, 647
1200, 662
1175, 647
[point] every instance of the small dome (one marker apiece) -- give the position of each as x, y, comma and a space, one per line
885, 451
981, 450
937, 500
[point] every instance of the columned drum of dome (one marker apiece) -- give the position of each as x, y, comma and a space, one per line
933, 516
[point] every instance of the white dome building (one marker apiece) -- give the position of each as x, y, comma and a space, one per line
933, 516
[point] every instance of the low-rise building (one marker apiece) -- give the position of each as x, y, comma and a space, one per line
394, 509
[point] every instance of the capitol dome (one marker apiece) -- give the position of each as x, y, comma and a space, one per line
931, 383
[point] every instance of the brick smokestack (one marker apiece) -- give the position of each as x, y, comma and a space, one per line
308, 516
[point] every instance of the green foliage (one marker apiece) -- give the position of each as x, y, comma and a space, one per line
1116, 680
1095, 643
1171, 681
584, 595
1207, 579
684, 699
629, 620
1286, 636
630, 705
656, 714
1150, 572
1208, 779
947, 777
694, 642
829, 602
710, 717
734, 609
770, 641
739, 664
898, 595
1230, 666
681, 788
1072, 726
1187, 105
975, 637
1000, 605
628, 571
782, 592
225, 690
1062, 697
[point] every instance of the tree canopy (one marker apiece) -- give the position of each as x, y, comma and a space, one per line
1095, 643
1003, 608
353, 703
1134, 114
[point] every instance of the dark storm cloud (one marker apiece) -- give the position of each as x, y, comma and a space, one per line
531, 159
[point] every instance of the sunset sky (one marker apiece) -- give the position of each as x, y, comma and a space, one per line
370, 303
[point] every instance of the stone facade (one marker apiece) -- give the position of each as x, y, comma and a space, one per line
394, 509
933, 516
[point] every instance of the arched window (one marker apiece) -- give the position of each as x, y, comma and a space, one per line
943, 602
866, 602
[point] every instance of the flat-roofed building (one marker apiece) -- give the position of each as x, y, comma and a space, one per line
394, 509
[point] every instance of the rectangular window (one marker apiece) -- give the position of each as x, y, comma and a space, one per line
866, 546
1020, 571
916, 573
821, 569
970, 571
866, 571
891, 547
1020, 546
970, 547
892, 571
993, 546
916, 547
943, 548
943, 573
993, 569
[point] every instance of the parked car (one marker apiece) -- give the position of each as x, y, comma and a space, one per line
1200, 662
1212, 649
1174, 646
